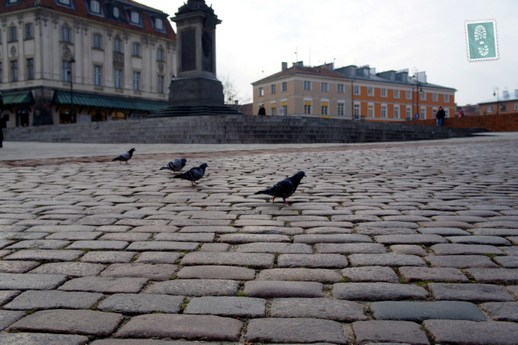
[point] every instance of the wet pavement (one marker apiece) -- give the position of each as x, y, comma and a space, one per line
401, 243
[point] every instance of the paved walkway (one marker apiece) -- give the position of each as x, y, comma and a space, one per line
412, 243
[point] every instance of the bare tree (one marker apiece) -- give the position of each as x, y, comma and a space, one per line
231, 94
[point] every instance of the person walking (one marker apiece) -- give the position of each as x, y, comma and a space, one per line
440, 115
3, 124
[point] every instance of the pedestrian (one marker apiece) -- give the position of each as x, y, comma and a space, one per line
461, 113
440, 115
3, 124
262, 111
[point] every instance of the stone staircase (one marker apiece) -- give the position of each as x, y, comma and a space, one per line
228, 129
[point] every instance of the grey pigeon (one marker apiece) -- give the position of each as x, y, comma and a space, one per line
175, 165
285, 188
125, 157
193, 174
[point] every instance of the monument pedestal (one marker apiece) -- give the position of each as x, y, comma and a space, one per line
196, 91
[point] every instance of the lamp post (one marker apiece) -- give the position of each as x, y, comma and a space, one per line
495, 93
72, 112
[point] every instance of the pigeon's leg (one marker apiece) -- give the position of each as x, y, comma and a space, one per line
273, 199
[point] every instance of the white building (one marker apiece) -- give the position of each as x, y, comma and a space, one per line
66, 61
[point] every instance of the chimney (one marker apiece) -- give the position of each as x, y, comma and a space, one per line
505, 94
284, 66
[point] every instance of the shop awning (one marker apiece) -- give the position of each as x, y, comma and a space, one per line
103, 101
17, 97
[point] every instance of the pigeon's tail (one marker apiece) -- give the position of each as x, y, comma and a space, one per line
164, 168
266, 191
116, 159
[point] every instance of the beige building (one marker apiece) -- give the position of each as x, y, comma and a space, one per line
351, 92
66, 61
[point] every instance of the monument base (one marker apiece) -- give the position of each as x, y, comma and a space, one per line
196, 96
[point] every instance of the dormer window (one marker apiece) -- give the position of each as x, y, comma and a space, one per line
116, 12
12, 2
159, 24
135, 18
67, 3
95, 6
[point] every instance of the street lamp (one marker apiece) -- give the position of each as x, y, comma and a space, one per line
495, 93
72, 112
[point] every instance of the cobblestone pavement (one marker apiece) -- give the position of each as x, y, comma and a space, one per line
413, 243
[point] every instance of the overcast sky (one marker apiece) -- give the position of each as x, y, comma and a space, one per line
420, 35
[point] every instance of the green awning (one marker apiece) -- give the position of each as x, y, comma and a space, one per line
17, 97
110, 102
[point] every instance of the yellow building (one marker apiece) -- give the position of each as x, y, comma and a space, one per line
351, 92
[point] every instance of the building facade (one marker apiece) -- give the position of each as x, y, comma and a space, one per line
351, 92
66, 61
505, 103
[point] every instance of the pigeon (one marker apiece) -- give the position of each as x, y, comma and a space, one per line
175, 165
284, 188
124, 157
193, 174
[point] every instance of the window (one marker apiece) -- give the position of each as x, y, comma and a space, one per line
136, 81
340, 88
383, 111
307, 107
12, 2
435, 97
13, 71
273, 111
397, 114
396, 94
161, 84
324, 87
423, 95
66, 34
261, 91
284, 86
307, 85
29, 31
370, 110
117, 77
98, 75
423, 113
159, 24
135, 17
408, 113
117, 45
446, 98
489, 108
97, 41
515, 105
95, 6
160, 54
13, 34
341, 109
357, 89
324, 109
356, 111
408, 94
284, 110
65, 2
29, 68
383, 92
135, 50
370, 91
67, 71
273, 89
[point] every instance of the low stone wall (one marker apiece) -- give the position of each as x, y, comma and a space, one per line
493, 123
230, 129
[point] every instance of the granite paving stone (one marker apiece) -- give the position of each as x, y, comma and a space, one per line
227, 306
322, 308
104, 284
7, 317
442, 274
460, 261
370, 274
86, 322
387, 331
470, 292
350, 248
7, 295
312, 260
420, 311
216, 272
194, 287
471, 332
75, 269
507, 261
282, 248
190, 327
325, 276
158, 257
141, 303
53, 299
255, 260
389, 259
501, 311
273, 289
45, 255
141, 270
494, 275
42, 339
295, 330
108, 257
377, 291
19, 281
461, 249
18, 266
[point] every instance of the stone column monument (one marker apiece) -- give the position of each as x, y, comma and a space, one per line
195, 89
